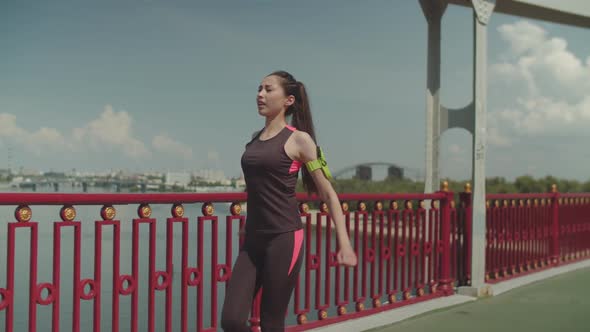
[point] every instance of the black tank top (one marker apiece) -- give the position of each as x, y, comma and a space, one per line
271, 177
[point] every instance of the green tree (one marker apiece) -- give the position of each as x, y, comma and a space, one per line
527, 184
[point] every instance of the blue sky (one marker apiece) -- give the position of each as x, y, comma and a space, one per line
171, 85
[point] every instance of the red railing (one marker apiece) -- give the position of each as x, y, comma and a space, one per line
408, 252
574, 227
529, 232
461, 240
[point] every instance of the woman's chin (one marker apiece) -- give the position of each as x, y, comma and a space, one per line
264, 111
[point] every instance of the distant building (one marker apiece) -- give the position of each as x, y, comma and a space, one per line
179, 179
30, 172
240, 182
364, 173
394, 172
211, 176
52, 174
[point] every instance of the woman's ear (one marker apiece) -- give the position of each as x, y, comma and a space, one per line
290, 100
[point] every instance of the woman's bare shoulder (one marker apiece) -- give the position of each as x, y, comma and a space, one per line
305, 145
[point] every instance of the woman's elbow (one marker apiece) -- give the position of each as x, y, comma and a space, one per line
327, 195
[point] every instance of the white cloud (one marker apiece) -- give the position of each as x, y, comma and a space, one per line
8, 127
544, 63
111, 130
44, 139
522, 36
163, 143
111, 133
496, 138
556, 98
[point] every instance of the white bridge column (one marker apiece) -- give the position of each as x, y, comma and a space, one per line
433, 11
482, 10
471, 118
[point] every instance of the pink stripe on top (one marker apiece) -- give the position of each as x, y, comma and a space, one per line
295, 166
296, 247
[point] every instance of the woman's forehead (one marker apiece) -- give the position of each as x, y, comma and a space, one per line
270, 80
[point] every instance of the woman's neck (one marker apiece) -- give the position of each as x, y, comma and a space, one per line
274, 125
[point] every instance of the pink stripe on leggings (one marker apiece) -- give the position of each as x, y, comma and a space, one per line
296, 247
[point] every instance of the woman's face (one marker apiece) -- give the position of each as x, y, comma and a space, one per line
271, 99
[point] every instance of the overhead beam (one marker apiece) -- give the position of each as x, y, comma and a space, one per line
552, 11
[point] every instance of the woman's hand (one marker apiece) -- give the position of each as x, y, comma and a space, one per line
346, 256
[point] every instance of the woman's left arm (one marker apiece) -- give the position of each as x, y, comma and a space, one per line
308, 152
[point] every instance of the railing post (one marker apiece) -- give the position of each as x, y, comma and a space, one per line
466, 204
445, 209
555, 207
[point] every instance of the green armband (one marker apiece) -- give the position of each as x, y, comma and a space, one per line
319, 163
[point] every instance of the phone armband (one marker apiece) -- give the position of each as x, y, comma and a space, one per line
319, 163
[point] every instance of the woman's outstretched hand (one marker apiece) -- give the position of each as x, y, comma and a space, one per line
346, 256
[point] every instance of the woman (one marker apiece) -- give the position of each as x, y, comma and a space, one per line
272, 253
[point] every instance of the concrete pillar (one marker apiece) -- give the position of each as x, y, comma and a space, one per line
481, 13
433, 11
482, 10
471, 117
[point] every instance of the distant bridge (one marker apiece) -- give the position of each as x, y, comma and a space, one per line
371, 171
60, 182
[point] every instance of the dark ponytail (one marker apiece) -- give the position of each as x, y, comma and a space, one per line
301, 118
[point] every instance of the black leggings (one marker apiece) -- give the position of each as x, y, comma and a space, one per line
270, 261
